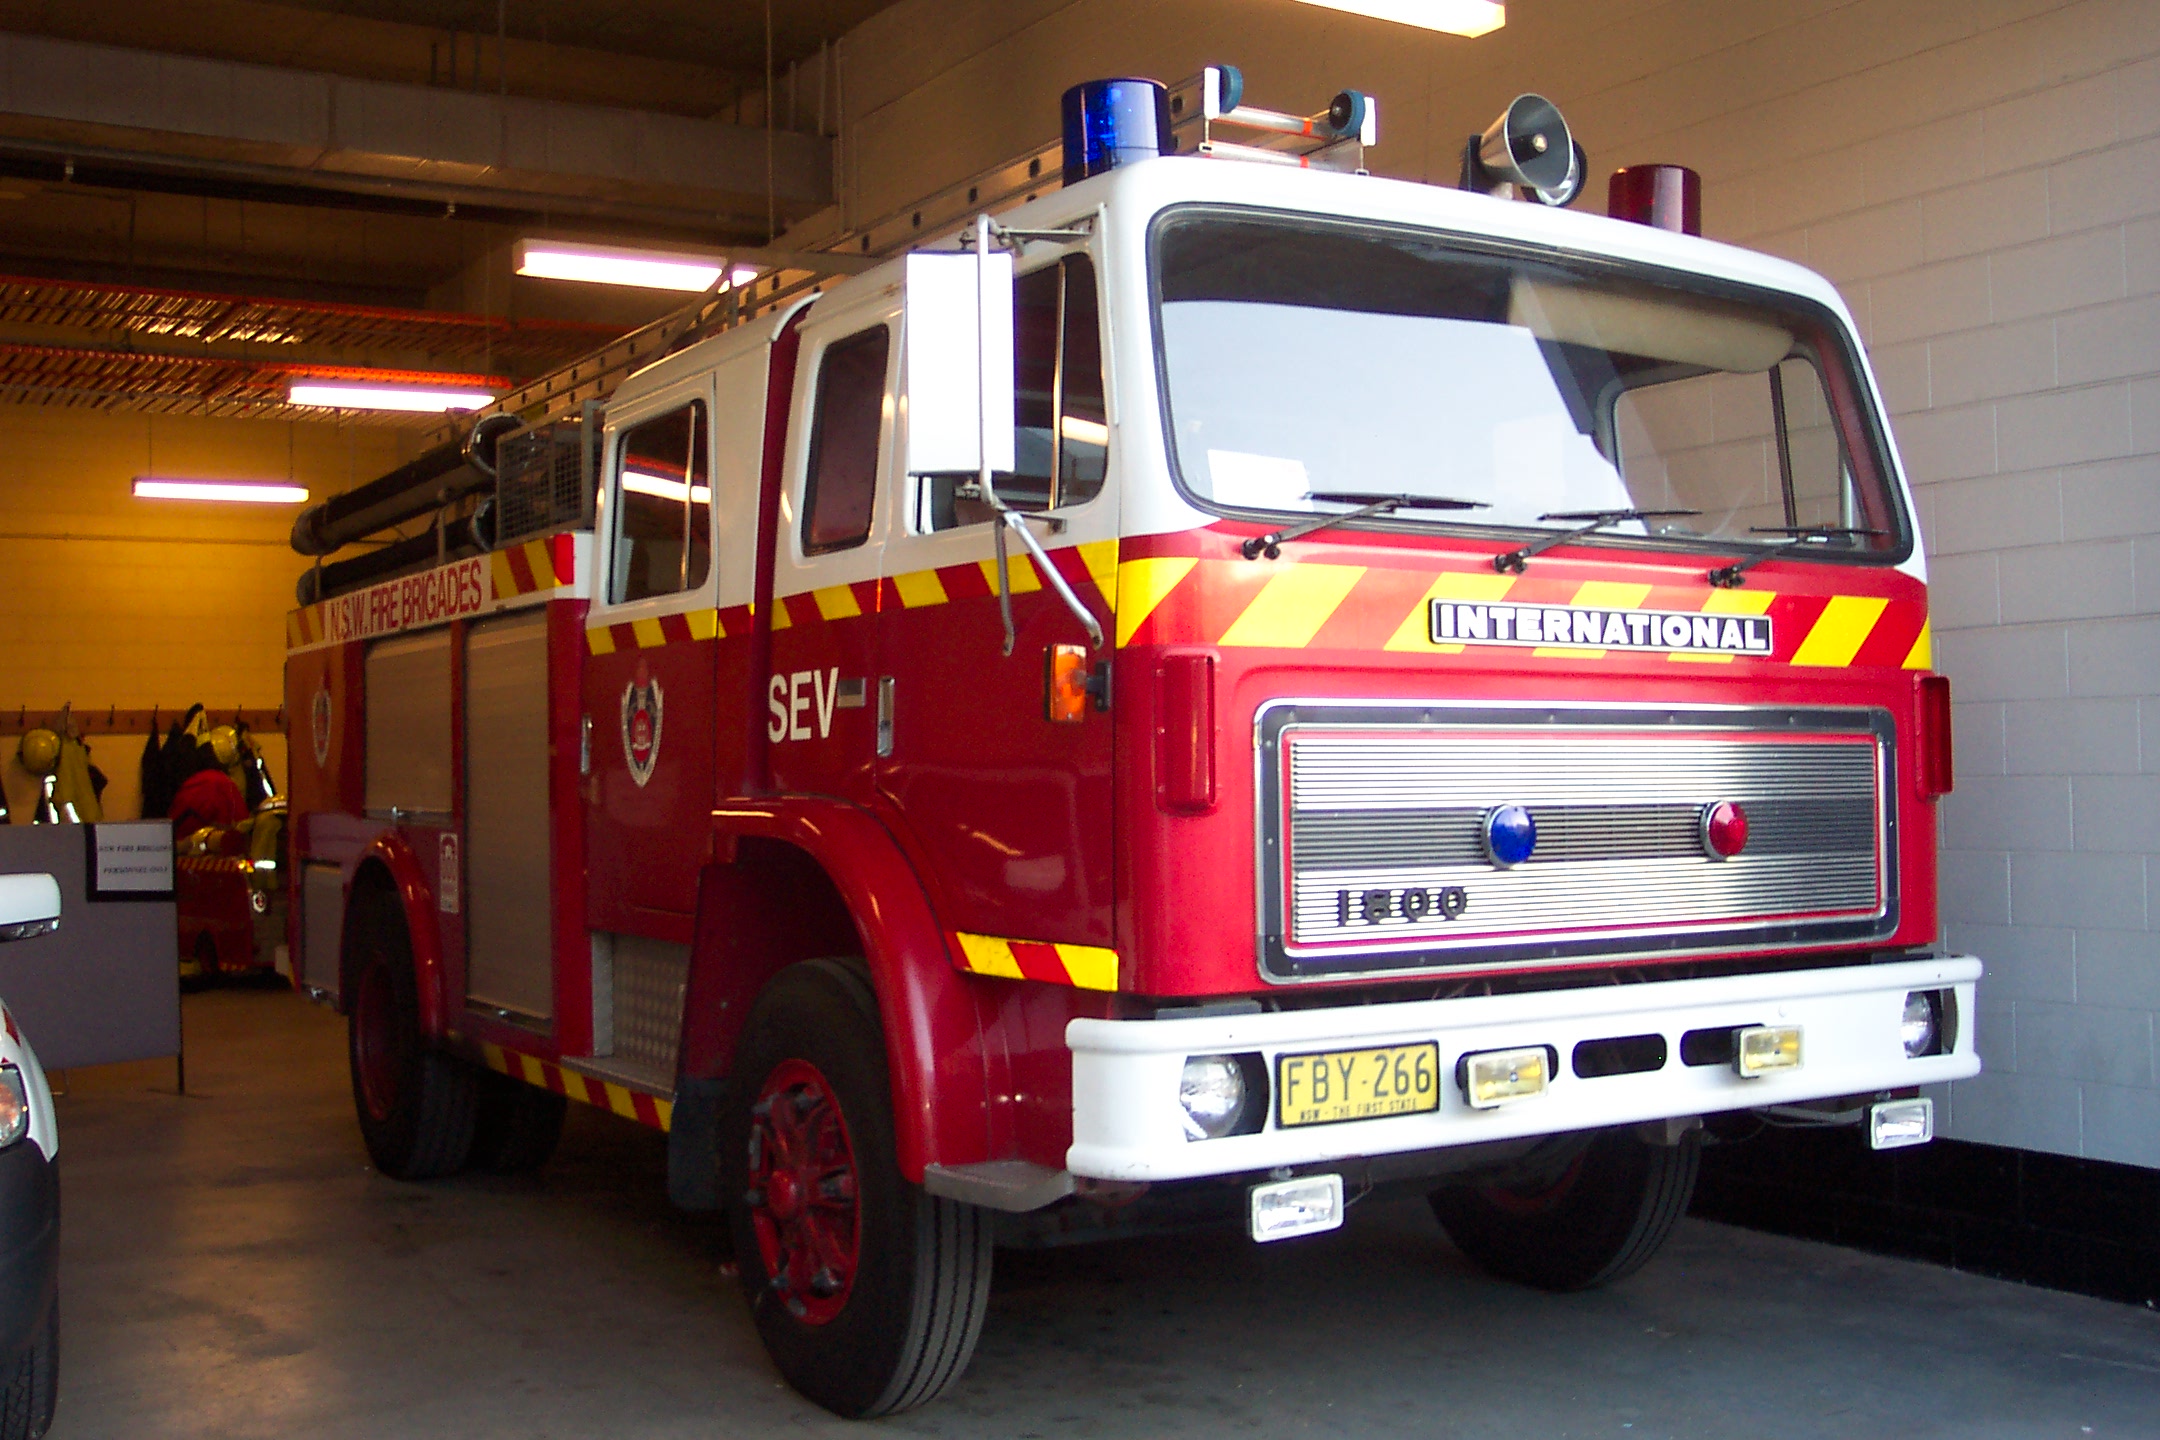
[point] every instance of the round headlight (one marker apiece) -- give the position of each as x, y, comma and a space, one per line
1510, 835
1212, 1094
1920, 1024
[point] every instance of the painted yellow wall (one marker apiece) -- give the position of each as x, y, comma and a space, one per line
106, 600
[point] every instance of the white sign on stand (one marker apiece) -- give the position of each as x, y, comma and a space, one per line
133, 858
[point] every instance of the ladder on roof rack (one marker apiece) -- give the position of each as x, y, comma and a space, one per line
1201, 106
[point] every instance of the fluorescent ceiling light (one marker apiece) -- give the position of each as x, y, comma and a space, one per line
365, 395
1453, 17
1087, 432
620, 265
663, 488
247, 491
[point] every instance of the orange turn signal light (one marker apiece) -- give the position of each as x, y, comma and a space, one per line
1065, 685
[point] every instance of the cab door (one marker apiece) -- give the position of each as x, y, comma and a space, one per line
821, 696
647, 746
1015, 808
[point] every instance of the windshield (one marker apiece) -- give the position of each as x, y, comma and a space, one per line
1305, 358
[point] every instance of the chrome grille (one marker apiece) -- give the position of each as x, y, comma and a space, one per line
1371, 815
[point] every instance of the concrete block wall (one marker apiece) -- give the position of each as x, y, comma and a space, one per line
1981, 178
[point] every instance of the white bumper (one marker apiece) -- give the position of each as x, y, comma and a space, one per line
1127, 1124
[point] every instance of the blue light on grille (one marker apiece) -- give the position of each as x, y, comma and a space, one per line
1510, 834
1114, 122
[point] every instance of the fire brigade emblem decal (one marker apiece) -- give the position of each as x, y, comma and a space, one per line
319, 725
641, 706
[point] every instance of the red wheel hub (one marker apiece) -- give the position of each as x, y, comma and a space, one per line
803, 1195
378, 1049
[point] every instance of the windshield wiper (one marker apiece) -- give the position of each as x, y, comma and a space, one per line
1513, 561
1728, 577
1270, 544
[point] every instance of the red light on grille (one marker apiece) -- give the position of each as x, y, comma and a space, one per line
1667, 196
1937, 769
1724, 830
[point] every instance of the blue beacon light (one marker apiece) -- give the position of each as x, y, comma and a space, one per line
1109, 123
1510, 835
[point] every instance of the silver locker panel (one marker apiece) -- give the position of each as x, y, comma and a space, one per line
322, 924
509, 895
408, 724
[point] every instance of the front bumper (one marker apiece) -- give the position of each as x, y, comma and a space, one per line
29, 1246
1127, 1124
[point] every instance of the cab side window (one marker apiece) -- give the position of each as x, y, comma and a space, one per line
841, 486
663, 527
1061, 432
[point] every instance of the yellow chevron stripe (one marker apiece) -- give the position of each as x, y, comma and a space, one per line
919, 588
542, 563
1841, 631
1100, 557
987, 955
600, 640
1922, 654
1018, 566
1415, 632
500, 572
836, 602
1090, 966
648, 633
1291, 607
705, 624
1606, 595
1728, 602
1142, 584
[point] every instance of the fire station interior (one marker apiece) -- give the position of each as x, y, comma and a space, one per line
331, 329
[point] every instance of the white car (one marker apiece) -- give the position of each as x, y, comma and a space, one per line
29, 1194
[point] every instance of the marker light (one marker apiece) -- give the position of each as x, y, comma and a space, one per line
1498, 1076
1764, 1048
1724, 830
1668, 197
14, 1106
623, 265
364, 395
1510, 835
247, 492
1114, 122
1894, 1124
1471, 18
1303, 1206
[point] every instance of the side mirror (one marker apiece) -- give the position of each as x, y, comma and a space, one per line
959, 327
29, 905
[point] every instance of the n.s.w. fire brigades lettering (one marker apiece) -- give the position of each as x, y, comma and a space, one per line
425, 599
1679, 631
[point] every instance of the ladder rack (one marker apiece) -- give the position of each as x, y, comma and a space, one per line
1201, 107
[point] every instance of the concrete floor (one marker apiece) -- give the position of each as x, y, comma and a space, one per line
234, 1269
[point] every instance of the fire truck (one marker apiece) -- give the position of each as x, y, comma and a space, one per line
1177, 678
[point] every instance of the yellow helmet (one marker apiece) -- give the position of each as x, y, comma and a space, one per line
40, 751
225, 744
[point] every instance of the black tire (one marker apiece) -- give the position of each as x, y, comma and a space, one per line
515, 1126
899, 1331
1599, 1220
29, 1395
415, 1103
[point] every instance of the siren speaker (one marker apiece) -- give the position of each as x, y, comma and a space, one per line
1528, 144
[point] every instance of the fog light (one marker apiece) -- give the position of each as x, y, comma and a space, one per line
1762, 1049
1212, 1094
1498, 1076
14, 1106
1921, 1026
1894, 1124
1304, 1206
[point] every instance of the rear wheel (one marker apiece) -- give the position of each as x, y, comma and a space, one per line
28, 1395
1599, 1220
415, 1103
868, 1293
516, 1125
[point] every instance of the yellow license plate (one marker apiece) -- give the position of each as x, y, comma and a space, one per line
1337, 1085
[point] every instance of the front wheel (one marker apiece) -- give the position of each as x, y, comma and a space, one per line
27, 1396
868, 1293
1599, 1221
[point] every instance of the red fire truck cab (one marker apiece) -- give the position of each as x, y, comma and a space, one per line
1434, 694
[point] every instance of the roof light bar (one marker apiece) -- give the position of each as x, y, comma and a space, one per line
622, 265
366, 395
1470, 18
150, 487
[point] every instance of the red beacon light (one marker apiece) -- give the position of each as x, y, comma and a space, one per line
1724, 830
1666, 196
